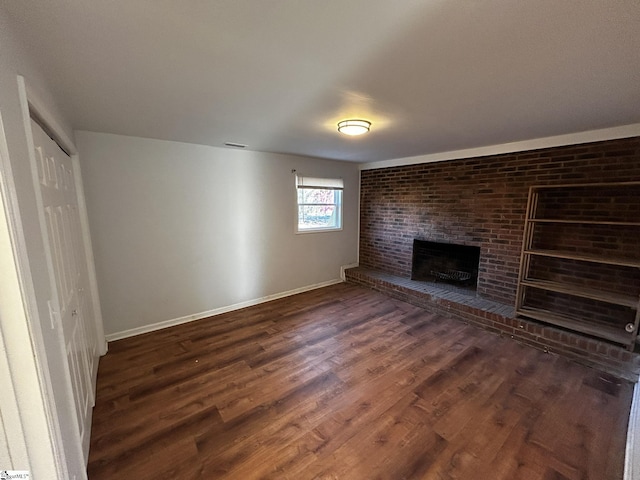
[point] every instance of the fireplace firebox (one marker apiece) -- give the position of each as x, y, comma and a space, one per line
445, 262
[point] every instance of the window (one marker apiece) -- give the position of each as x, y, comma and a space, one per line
319, 204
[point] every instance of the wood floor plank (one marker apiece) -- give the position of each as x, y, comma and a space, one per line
346, 383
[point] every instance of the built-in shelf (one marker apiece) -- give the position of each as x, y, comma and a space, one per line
584, 292
550, 308
607, 332
623, 262
585, 222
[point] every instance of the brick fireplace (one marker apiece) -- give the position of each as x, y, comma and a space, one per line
481, 203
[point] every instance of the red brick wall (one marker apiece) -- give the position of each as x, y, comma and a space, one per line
481, 202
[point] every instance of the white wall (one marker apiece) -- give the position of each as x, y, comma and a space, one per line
33, 432
181, 229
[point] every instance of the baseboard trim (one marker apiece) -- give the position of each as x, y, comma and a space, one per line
216, 311
345, 267
632, 452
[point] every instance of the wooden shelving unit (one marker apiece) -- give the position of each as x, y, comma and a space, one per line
575, 288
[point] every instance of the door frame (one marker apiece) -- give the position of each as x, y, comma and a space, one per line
69, 445
28, 408
30, 415
29, 103
28, 387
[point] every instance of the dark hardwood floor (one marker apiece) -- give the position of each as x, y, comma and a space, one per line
346, 383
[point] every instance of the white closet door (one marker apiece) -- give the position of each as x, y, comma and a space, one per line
71, 309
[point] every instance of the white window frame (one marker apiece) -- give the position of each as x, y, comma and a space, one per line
317, 183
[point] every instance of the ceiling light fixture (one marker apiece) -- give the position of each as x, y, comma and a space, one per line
354, 127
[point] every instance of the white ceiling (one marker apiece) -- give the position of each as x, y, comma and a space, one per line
277, 75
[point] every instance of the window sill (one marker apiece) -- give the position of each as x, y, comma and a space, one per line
318, 230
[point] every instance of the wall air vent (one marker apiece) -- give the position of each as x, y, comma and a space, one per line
235, 145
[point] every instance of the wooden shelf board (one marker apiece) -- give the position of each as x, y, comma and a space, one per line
584, 292
625, 262
614, 334
583, 185
585, 222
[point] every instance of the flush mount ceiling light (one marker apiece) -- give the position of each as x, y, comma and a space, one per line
235, 145
354, 127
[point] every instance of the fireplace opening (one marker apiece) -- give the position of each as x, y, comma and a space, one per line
445, 262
